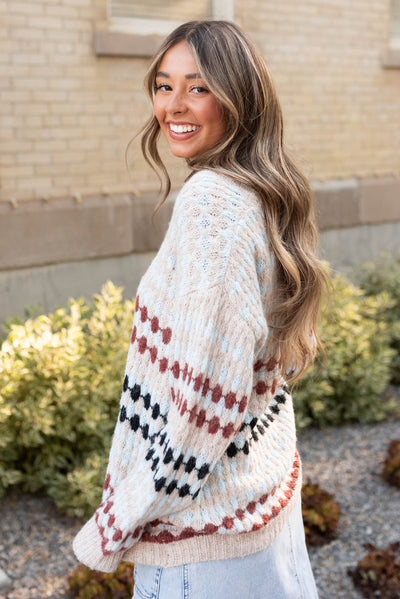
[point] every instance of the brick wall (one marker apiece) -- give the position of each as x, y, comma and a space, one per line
66, 114
342, 108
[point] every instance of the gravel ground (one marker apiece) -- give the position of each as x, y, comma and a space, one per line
35, 540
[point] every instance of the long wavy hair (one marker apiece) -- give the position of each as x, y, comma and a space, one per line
252, 152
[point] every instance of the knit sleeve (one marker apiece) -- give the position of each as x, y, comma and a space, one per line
201, 395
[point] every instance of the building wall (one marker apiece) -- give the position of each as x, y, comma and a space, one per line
67, 113
342, 107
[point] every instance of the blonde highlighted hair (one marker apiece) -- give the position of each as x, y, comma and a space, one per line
253, 153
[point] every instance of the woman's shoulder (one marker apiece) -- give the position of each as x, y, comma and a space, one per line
215, 192
215, 180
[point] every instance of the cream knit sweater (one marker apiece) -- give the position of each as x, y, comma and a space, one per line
203, 463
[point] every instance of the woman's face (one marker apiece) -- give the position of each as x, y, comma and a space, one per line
190, 116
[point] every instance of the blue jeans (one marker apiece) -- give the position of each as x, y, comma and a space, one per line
281, 571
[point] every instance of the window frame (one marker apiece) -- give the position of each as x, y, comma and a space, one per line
129, 36
391, 56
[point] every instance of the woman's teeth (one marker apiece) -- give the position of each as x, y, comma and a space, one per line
183, 128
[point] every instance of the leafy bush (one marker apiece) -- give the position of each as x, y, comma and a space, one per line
84, 583
380, 275
346, 387
391, 471
61, 376
377, 574
320, 514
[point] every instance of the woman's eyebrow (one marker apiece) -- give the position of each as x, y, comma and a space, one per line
188, 76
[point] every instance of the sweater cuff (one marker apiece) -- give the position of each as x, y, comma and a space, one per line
87, 548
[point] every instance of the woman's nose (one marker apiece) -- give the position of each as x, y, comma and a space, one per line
176, 102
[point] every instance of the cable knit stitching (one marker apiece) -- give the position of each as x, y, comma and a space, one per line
205, 442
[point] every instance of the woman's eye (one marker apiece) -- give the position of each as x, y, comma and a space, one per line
163, 87
198, 89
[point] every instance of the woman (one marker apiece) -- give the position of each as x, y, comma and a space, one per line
202, 490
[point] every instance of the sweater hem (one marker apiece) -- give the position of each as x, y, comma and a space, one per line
212, 547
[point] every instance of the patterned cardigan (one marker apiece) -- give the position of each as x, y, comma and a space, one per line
203, 463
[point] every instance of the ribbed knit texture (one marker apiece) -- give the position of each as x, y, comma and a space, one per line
203, 463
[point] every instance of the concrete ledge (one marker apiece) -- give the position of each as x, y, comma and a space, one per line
36, 232
380, 200
391, 58
351, 202
338, 203
148, 233
119, 43
49, 287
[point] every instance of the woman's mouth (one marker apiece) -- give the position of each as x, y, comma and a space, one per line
182, 132
183, 128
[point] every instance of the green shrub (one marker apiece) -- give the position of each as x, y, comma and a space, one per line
346, 387
61, 378
380, 275
320, 514
84, 583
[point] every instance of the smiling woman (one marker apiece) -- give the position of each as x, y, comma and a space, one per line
189, 115
202, 490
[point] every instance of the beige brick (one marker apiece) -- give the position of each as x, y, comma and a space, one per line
68, 120
68, 157
50, 145
45, 22
51, 71
12, 96
32, 121
30, 83
33, 158
67, 83
51, 120
62, 108
15, 72
30, 109
67, 35
26, 8
8, 121
80, 3
31, 58
65, 48
62, 10
50, 170
17, 171
23, 33
15, 20
7, 159
84, 144
14, 146
49, 96
40, 185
